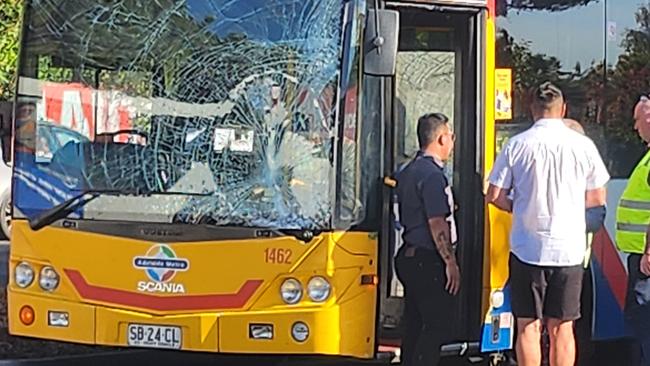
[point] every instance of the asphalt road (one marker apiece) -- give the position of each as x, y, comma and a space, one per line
172, 358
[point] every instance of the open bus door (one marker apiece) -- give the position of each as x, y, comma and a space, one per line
439, 69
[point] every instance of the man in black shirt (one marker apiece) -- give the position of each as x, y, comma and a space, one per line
426, 263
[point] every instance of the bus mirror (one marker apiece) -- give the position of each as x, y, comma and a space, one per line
381, 36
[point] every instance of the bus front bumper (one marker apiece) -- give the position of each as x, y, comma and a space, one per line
316, 330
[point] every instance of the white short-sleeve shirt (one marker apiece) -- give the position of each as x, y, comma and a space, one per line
549, 167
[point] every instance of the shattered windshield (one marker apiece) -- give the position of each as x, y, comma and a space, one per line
203, 111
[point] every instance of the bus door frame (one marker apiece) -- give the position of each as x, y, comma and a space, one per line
469, 106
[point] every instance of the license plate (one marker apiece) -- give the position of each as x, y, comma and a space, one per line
154, 336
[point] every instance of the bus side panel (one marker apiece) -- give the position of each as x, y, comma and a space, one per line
609, 271
498, 326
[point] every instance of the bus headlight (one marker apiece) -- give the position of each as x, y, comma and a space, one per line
291, 291
23, 275
318, 289
497, 299
48, 279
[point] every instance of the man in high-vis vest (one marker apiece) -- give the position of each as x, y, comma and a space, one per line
632, 220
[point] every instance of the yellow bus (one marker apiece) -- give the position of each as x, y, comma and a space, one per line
222, 187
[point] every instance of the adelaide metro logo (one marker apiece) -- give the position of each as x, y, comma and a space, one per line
160, 263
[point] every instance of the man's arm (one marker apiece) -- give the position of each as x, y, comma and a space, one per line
439, 228
596, 197
645, 260
499, 197
596, 193
501, 181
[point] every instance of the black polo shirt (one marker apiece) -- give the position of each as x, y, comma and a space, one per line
423, 192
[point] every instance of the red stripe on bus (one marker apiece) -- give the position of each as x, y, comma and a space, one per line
163, 303
604, 251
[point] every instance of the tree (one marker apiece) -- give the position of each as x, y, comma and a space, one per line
602, 97
531, 69
630, 78
503, 6
10, 11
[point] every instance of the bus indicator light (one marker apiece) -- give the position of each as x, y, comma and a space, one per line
27, 316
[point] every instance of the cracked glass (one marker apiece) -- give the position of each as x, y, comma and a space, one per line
216, 112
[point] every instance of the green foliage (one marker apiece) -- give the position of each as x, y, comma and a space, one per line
10, 11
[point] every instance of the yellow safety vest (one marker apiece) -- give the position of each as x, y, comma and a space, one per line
633, 213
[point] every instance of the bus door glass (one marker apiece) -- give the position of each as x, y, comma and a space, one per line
425, 82
438, 71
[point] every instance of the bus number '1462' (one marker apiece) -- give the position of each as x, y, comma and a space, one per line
277, 255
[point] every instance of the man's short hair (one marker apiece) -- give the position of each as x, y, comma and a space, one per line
546, 96
428, 126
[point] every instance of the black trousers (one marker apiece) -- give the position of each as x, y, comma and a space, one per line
637, 307
428, 306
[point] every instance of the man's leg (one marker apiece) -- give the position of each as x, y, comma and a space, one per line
405, 268
637, 309
563, 348
434, 307
562, 308
529, 332
412, 326
528, 290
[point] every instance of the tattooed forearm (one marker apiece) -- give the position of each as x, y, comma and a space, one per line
443, 244
440, 232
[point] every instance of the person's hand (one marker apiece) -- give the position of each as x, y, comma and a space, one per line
645, 264
453, 278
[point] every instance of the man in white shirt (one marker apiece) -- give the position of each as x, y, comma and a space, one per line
554, 174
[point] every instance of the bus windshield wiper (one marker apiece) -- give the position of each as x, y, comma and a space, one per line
65, 208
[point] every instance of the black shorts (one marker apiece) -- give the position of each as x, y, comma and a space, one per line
540, 292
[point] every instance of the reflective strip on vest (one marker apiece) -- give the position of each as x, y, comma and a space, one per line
636, 205
635, 228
